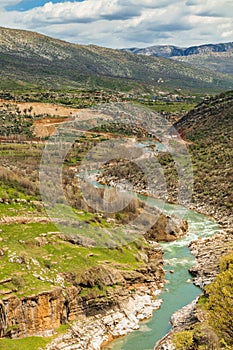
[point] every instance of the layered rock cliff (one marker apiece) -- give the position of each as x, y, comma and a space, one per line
124, 297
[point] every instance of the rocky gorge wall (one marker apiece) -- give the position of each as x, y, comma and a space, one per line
130, 296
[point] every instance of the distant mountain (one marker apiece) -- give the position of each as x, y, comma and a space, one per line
29, 60
217, 57
173, 51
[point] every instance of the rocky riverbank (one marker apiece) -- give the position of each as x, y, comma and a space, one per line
181, 320
220, 216
91, 333
208, 253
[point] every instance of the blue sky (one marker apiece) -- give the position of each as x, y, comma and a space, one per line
25, 5
124, 23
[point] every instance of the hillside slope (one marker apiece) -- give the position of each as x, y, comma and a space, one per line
216, 61
30, 59
216, 57
210, 129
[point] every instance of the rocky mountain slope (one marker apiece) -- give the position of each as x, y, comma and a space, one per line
216, 57
216, 61
29, 59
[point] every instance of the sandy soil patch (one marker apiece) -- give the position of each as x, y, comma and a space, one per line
37, 108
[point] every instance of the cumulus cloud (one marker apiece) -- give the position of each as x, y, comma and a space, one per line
122, 23
90, 11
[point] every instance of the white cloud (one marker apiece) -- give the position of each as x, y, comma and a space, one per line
4, 3
123, 23
214, 8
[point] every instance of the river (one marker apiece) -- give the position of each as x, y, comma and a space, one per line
179, 289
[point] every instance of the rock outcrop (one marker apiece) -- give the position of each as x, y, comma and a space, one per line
38, 314
153, 223
167, 229
93, 332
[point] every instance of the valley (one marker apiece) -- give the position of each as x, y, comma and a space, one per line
84, 128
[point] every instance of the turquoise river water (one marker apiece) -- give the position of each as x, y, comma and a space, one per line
178, 291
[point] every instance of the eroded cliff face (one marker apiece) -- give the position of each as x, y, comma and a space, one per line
37, 314
43, 313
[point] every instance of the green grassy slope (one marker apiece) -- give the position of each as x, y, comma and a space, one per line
32, 250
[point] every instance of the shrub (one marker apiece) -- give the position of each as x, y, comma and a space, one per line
183, 340
48, 264
18, 281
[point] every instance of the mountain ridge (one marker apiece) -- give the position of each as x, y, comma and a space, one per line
32, 59
173, 51
214, 57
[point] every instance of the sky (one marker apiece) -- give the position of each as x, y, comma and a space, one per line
124, 23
